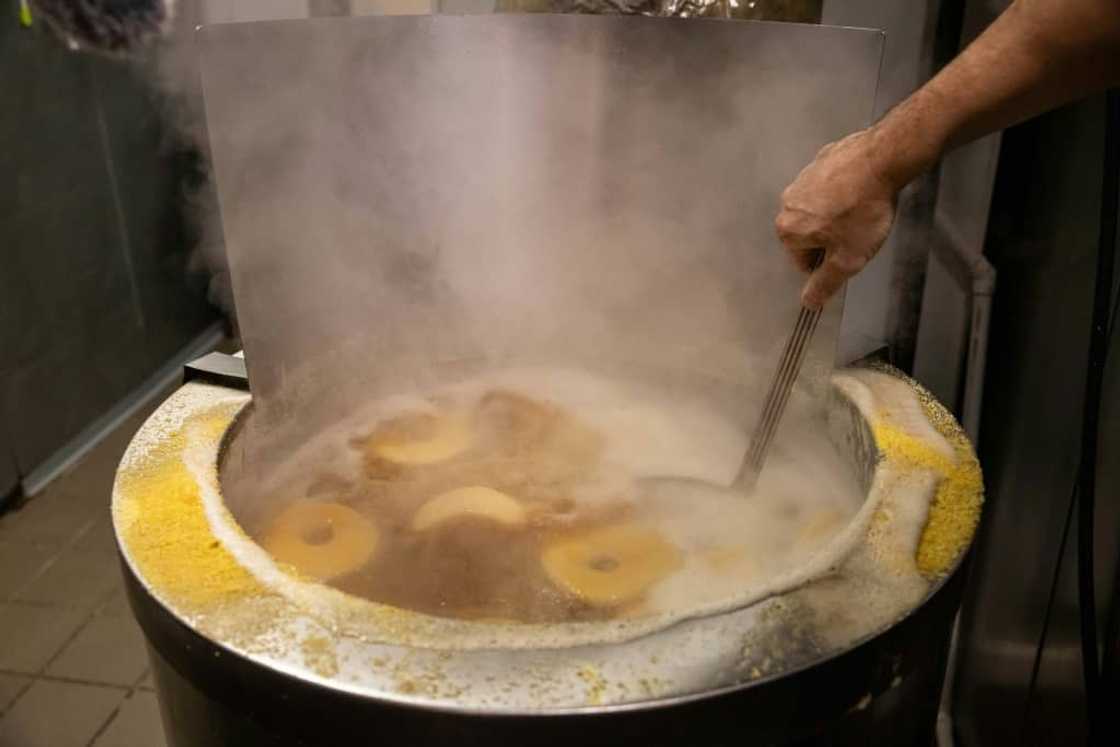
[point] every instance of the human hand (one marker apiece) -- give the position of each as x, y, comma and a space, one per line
841, 204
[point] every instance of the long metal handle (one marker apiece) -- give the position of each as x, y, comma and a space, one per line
778, 396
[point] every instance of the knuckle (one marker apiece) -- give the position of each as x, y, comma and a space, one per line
783, 224
848, 263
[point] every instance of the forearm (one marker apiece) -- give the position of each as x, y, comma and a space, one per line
1037, 55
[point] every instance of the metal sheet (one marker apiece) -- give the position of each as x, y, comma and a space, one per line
405, 197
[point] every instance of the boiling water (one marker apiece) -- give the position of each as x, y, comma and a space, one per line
517, 496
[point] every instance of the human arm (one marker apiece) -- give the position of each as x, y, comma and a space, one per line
1039, 54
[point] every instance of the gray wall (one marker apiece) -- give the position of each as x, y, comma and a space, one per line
94, 287
1043, 242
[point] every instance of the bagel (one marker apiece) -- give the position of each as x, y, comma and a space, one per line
418, 439
322, 540
609, 566
476, 502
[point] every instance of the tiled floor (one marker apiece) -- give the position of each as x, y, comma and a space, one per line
73, 669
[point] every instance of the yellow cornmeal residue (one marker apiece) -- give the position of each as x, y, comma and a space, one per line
596, 685
426, 679
653, 686
955, 510
319, 655
164, 529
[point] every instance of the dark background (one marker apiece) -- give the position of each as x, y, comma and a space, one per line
95, 293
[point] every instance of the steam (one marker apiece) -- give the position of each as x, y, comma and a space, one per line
157, 36
411, 202
406, 197
414, 202
170, 64
632, 204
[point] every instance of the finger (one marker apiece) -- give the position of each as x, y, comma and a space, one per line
806, 258
802, 243
827, 279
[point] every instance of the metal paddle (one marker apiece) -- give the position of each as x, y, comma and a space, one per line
768, 420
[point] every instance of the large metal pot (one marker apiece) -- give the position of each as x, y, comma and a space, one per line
238, 663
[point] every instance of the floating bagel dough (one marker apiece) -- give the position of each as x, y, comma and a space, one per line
320, 539
476, 501
514, 419
611, 565
516, 424
417, 439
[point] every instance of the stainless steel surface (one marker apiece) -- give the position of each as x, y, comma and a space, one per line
516, 189
883, 692
778, 681
218, 368
1042, 239
874, 309
177, 61
478, 673
774, 406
